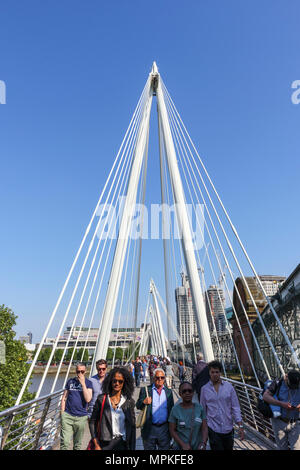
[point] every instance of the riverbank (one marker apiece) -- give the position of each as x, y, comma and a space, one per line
54, 369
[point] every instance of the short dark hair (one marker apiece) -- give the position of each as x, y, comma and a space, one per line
184, 382
82, 364
215, 365
101, 361
128, 386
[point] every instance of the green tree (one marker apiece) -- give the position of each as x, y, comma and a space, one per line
14, 371
85, 357
109, 354
119, 354
58, 355
69, 354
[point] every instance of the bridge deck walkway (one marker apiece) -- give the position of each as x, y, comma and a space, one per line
252, 441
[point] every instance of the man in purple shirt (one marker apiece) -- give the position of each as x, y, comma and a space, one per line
221, 405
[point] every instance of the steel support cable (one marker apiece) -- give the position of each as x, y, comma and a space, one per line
141, 238
158, 332
294, 354
31, 411
180, 153
131, 281
74, 263
129, 152
212, 270
127, 177
128, 157
172, 251
76, 286
218, 261
122, 298
165, 244
158, 318
228, 265
171, 322
122, 174
127, 257
122, 242
145, 323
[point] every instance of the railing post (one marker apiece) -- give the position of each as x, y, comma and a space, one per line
6, 431
41, 425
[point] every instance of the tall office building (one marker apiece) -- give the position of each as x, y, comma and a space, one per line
215, 308
186, 324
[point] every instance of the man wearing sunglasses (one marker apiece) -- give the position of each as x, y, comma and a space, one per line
97, 382
74, 409
159, 402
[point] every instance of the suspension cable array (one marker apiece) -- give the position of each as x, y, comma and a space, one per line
104, 281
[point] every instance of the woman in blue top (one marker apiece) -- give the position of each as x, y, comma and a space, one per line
187, 421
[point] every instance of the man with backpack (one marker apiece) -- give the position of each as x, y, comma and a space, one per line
286, 427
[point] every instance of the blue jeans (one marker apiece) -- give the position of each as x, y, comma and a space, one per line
137, 379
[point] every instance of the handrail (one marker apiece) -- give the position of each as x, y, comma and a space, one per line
15, 409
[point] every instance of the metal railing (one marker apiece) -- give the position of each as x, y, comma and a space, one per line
33, 425
248, 396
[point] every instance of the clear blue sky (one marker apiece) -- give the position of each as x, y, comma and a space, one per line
74, 71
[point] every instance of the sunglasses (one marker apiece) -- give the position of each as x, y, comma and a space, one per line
118, 381
187, 390
80, 372
101, 368
159, 377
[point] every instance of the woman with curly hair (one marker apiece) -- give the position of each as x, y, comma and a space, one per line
112, 424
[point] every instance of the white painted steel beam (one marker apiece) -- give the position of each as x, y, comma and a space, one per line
184, 227
123, 237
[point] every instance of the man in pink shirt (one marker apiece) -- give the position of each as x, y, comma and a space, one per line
222, 409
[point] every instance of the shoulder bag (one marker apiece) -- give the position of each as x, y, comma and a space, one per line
91, 444
141, 417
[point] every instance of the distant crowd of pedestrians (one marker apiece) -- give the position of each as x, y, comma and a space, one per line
204, 416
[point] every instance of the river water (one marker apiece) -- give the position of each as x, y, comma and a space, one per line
36, 380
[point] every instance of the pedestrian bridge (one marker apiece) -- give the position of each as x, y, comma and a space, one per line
36, 425
105, 278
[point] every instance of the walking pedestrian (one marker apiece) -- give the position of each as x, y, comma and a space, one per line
151, 370
187, 421
286, 427
145, 367
200, 374
222, 409
115, 406
155, 432
169, 374
97, 382
74, 408
181, 371
137, 371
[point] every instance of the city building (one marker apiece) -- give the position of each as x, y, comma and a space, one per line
185, 314
215, 308
286, 303
271, 284
119, 338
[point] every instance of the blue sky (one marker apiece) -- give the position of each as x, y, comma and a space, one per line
74, 72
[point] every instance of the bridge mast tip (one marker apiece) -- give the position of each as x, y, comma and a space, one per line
154, 70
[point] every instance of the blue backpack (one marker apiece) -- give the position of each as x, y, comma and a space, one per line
263, 407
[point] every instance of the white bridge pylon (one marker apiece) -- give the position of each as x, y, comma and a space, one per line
103, 260
154, 87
